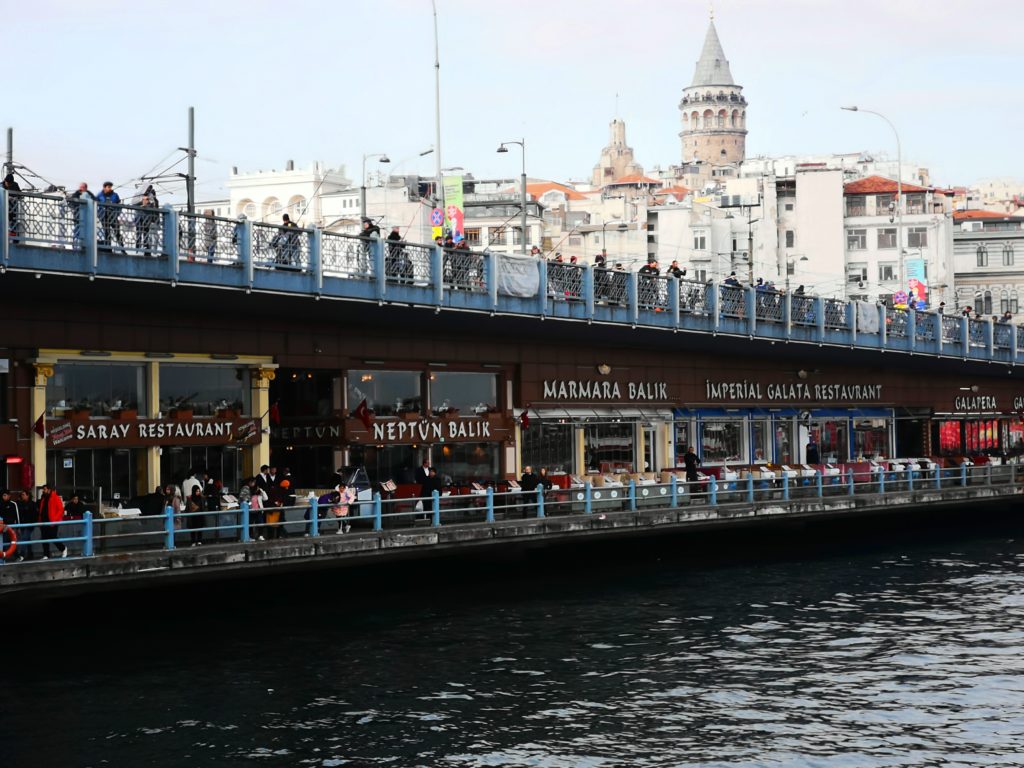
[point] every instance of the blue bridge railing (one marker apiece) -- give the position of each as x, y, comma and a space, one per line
759, 489
48, 234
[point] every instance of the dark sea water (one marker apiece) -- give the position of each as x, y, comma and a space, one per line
911, 654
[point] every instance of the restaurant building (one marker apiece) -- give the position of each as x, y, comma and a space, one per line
107, 393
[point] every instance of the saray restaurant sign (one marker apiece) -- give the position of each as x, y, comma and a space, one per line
112, 433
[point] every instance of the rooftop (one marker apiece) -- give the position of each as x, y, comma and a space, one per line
873, 185
959, 216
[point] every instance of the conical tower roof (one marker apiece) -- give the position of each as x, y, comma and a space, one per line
713, 67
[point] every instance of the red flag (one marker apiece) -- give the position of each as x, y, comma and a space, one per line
364, 414
275, 414
40, 425
524, 420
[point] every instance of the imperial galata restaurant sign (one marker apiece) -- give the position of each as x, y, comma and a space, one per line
798, 391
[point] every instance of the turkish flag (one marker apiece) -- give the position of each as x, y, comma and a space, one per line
40, 425
364, 414
275, 414
524, 420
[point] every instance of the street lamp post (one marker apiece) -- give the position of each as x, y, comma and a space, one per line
362, 190
899, 191
622, 227
522, 188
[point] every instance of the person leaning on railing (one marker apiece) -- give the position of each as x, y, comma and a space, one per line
108, 199
11, 185
51, 512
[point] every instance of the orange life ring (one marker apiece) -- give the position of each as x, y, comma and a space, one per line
14, 544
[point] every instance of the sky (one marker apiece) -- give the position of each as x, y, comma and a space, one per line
98, 91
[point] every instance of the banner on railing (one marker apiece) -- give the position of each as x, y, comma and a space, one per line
517, 276
454, 206
867, 317
917, 283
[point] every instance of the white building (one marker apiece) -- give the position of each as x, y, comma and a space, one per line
989, 261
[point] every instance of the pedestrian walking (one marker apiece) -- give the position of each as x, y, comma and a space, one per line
51, 512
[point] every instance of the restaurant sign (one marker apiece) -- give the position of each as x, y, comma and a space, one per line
114, 433
790, 392
592, 390
474, 429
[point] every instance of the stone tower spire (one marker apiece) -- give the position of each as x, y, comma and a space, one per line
617, 158
713, 109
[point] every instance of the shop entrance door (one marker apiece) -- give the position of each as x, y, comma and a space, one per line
650, 457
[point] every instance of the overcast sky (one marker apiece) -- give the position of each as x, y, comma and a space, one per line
101, 90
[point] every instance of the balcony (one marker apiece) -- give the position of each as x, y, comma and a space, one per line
63, 236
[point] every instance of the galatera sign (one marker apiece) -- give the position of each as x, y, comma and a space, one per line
112, 433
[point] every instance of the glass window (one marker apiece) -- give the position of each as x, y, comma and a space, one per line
608, 448
387, 393
304, 394
721, 440
551, 445
982, 256
467, 463
682, 442
790, 238
472, 236
981, 436
1008, 255
856, 205
783, 442
759, 447
699, 241
917, 237
887, 238
915, 202
467, 393
98, 387
831, 439
109, 472
392, 462
204, 388
886, 271
870, 438
949, 438
857, 239
856, 273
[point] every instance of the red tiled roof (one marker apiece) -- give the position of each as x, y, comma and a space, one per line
874, 185
543, 187
634, 178
976, 215
677, 192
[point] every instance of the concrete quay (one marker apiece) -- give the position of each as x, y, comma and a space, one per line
139, 569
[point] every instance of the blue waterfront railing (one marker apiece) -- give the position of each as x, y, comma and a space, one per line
758, 491
48, 234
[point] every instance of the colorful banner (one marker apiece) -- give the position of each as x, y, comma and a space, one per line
454, 211
917, 282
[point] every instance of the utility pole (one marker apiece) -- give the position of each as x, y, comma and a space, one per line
439, 187
190, 180
9, 165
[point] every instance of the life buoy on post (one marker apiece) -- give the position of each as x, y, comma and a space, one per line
9, 552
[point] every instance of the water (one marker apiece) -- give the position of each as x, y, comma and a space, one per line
905, 656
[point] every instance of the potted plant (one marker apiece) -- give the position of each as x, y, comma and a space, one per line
182, 413
125, 413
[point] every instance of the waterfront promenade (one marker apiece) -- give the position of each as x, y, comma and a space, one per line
78, 237
120, 553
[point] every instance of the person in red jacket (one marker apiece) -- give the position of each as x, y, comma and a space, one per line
51, 511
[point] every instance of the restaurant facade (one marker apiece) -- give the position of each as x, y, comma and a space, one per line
98, 399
